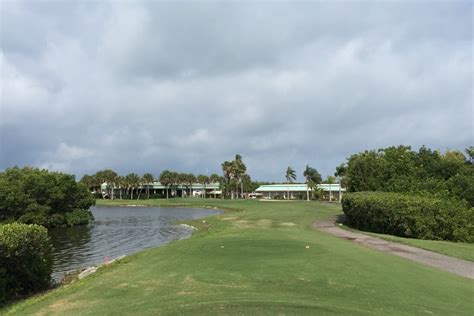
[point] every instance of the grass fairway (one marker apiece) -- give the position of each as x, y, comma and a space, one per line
256, 261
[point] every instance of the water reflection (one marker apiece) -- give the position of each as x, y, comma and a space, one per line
118, 231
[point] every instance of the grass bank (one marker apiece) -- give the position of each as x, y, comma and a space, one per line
263, 258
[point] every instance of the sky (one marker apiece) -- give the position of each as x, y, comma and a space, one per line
151, 85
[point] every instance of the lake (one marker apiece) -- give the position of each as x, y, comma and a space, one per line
118, 231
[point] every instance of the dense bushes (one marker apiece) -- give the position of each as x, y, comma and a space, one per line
35, 196
78, 217
74, 218
25, 260
410, 215
400, 169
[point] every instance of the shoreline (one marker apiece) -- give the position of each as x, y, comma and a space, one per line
59, 277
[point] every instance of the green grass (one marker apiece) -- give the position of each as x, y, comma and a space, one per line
254, 260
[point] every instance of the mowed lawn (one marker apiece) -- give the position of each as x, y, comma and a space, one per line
256, 260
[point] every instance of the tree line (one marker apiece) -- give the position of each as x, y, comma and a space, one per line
233, 184
132, 185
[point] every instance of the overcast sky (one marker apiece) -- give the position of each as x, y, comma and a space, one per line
147, 86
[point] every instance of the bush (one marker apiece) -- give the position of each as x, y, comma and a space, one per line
78, 217
25, 260
43, 219
412, 216
35, 218
35, 196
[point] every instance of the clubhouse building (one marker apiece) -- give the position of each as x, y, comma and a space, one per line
332, 192
196, 189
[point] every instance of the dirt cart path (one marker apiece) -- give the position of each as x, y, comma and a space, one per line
457, 266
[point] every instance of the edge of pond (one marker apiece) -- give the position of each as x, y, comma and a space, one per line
121, 260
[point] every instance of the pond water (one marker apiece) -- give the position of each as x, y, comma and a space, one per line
118, 231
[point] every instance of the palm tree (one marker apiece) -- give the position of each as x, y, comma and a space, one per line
311, 175
214, 178
120, 182
140, 186
181, 180
240, 169
290, 177
229, 174
190, 179
204, 180
246, 182
133, 181
307, 175
96, 182
165, 179
148, 179
312, 185
340, 173
175, 180
110, 177
331, 180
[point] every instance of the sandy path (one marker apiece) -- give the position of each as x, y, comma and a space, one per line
457, 266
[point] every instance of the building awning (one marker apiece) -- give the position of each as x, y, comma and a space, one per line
298, 187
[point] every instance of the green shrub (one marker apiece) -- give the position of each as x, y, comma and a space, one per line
34, 218
43, 219
78, 217
412, 216
25, 260
35, 196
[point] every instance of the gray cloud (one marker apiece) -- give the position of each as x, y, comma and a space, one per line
161, 85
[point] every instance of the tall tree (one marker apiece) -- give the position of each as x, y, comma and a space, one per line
239, 169
313, 186
96, 183
311, 174
165, 179
247, 184
110, 177
87, 180
182, 179
229, 175
204, 180
190, 179
120, 183
148, 179
330, 180
176, 179
133, 180
340, 174
214, 178
290, 178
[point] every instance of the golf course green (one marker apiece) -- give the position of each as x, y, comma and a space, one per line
258, 258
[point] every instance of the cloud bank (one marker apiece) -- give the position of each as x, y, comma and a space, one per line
150, 86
